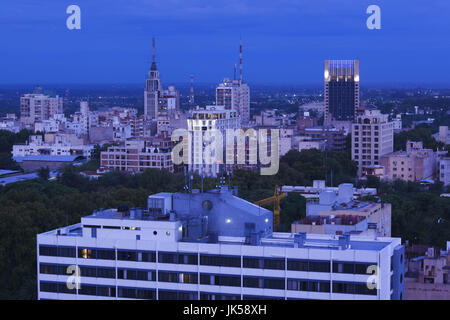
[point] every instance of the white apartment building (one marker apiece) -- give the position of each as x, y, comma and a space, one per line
60, 146
372, 137
37, 107
234, 95
201, 122
210, 246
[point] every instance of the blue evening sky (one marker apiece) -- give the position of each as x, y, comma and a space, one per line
285, 41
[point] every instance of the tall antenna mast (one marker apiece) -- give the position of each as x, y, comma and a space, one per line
234, 78
240, 59
154, 55
191, 94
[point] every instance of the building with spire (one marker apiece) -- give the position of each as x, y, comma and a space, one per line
235, 94
156, 100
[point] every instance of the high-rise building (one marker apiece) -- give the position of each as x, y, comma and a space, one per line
234, 95
37, 107
211, 246
205, 120
341, 90
372, 137
156, 100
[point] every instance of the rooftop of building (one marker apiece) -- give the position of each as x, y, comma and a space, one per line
50, 158
276, 239
229, 220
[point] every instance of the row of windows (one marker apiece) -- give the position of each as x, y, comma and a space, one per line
86, 271
150, 294
209, 260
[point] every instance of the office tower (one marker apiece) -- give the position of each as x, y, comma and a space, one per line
341, 96
372, 137
205, 120
37, 107
156, 100
211, 246
235, 94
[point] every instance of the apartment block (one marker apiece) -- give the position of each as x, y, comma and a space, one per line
138, 155
372, 137
414, 164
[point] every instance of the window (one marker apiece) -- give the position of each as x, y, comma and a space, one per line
86, 253
166, 276
106, 254
319, 266
297, 265
274, 283
250, 262
48, 251
167, 257
252, 282
126, 255
148, 256
187, 258
277, 264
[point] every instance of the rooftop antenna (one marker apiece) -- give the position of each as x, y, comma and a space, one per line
240, 60
154, 55
191, 94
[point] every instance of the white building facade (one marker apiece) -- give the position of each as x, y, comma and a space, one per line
128, 255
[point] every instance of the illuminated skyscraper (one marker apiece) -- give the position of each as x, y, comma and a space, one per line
341, 90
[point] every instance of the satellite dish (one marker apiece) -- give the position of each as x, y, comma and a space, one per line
207, 205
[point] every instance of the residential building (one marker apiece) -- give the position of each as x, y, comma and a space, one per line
334, 139
234, 95
37, 107
372, 137
427, 277
138, 155
414, 164
210, 246
203, 121
60, 145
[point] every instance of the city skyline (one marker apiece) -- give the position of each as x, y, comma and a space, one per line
283, 43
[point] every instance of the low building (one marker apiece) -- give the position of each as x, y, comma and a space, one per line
53, 162
330, 204
335, 139
414, 164
319, 187
55, 145
138, 155
427, 277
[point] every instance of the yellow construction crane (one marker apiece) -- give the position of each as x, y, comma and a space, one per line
276, 205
